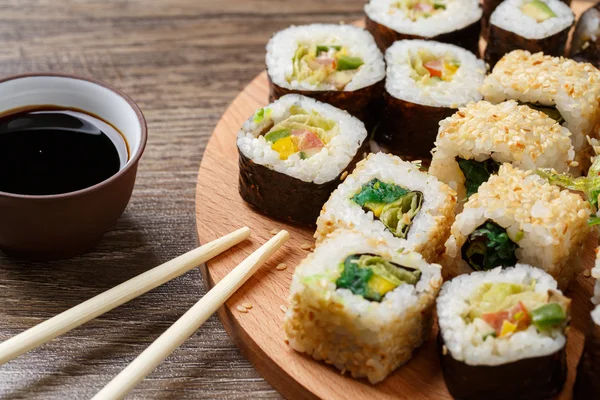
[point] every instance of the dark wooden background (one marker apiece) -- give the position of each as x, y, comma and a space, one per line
183, 62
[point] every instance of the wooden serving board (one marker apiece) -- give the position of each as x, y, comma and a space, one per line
259, 334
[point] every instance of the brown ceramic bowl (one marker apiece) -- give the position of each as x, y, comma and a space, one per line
64, 225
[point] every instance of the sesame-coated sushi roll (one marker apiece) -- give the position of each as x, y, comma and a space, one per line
336, 64
293, 153
516, 216
361, 304
447, 21
533, 25
426, 82
587, 385
473, 143
566, 90
392, 199
503, 335
585, 46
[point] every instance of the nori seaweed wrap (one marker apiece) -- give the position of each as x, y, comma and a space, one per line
336, 64
426, 82
584, 45
532, 25
449, 21
503, 335
292, 156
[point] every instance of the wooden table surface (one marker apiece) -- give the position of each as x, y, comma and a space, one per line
183, 62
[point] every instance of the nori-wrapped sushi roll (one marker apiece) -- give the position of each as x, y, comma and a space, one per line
426, 82
584, 45
448, 21
566, 90
532, 25
361, 304
516, 216
393, 199
503, 335
472, 143
336, 64
293, 153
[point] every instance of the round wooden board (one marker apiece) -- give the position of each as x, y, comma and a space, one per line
259, 333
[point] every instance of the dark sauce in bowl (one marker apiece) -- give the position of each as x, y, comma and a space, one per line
50, 150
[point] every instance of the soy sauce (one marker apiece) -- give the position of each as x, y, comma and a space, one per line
49, 150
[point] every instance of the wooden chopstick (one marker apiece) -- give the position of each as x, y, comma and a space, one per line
116, 296
185, 326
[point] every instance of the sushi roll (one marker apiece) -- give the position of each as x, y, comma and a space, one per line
533, 25
361, 305
293, 153
473, 143
587, 384
426, 82
392, 199
584, 45
336, 64
503, 334
448, 21
516, 216
567, 91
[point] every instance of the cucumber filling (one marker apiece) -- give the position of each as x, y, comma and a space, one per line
488, 247
476, 172
371, 276
417, 9
429, 69
538, 10
321, 63
391, 204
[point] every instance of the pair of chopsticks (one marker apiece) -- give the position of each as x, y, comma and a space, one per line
173, 337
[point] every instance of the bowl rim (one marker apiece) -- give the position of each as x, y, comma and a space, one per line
131, 163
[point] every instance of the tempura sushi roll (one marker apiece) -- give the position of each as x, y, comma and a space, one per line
426, 82
503, 334
533, 25
447, 21
336, 64
567, 91
390, 198
585, 46
587, 384
516, 216
472, 143
361, 304
293, 153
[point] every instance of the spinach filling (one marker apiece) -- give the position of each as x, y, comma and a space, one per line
550, 111
477, 172
488, 247
371, 276
393, 205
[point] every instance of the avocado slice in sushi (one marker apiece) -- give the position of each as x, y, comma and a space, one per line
476, 172
488, 247
393, 205
538, 10
372, 276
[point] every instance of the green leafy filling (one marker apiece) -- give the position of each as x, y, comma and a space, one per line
371, 276
550, 111
476, 172
393, 205
488, 247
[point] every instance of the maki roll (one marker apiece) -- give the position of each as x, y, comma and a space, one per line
533, 25
292, 154
473, 143
392, 199
503, 334
587, 384
516, 216
361, 305
566, 90
447, 21
584, 45
426, 82
336, 64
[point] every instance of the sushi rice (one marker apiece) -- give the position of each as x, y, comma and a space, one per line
367, 338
